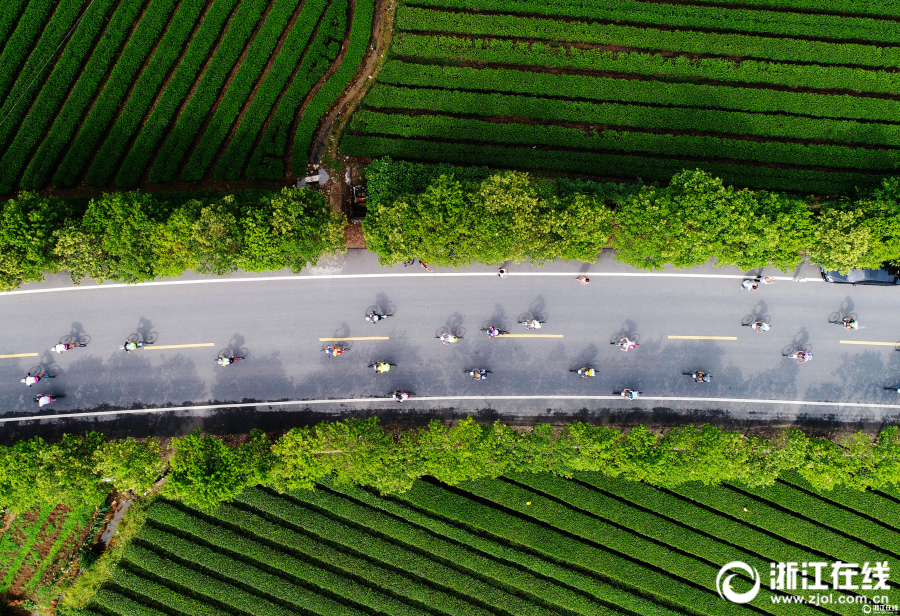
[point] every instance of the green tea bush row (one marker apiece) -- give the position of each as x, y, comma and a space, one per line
152, 131
648, 90
875, 7
683, 67
869, 503
234, 158
67, 83
379, 550
701, 147
149, 79
119, 604
415, 19
69, 120
240, 87
357, 44
180, 603
671, 14
604, 598
177, 145
267, 159
11, 16
632, 116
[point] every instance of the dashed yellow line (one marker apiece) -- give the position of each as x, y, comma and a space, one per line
702, 337
18, 355
179, 346
359, 338
867, 342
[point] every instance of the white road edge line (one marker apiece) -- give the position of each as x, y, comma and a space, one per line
393, 275
209, 407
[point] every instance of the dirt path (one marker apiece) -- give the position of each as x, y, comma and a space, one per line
334, 122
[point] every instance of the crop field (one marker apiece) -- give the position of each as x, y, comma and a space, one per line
37, 548
783, 95
118, 93
524, 545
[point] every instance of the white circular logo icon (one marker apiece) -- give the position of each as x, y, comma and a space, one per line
724, 586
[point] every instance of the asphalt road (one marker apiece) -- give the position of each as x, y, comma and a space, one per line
277, 325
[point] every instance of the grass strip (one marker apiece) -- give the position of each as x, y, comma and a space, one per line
681, 536
65, 125
149, 135
268, 157
869, 503
66, 82
772, 519
192, 580
75, 522
613, 166
416, 19
173, 152
596, 589
357, 42
232, 101
638, 116
17, 552
231, 164
403, 559
121, 605
648, 91
576, 552
283, 560
170, 598
692, 16
528, 53
149, 80
405, 582
706, 147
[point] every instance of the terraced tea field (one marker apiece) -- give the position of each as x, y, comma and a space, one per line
125, 92
522, 545
785, 94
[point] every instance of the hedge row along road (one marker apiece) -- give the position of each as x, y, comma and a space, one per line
116, 93
777, 95
523, 545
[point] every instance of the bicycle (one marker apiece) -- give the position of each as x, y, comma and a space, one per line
699, 376
335, 351
801, 357
498, 331
628, 394
625, 344
62, 347
449, 338
44, 399
478, 374
401, 395
375, 317
758, 326
847, 323
227, 360
30, 380
379, 367
133, 345
532, 323
585, 372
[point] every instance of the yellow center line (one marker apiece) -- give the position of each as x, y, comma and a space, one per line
359, 338
19, 355
702, 337
180, 346
529, 336
866, 342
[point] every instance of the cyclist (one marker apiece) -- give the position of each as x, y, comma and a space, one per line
374, 317
850, 323
227, 360
62, 347
44, 399
630, 394
381, 367
587, 372
533, 324
478, 374
626, 345
31, 380
701, 377
493, 332
760, 326
803, 356
400, 396
334, 351
449, 338
130, 346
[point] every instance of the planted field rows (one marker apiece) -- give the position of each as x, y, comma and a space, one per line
119, 93
773, 99
524, 545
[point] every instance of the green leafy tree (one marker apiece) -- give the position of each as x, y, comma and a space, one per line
114, 240
199, 237
205, 471
27, 240
130, 465
292, 230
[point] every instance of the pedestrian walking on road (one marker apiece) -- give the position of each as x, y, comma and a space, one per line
503, 272
583, 279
